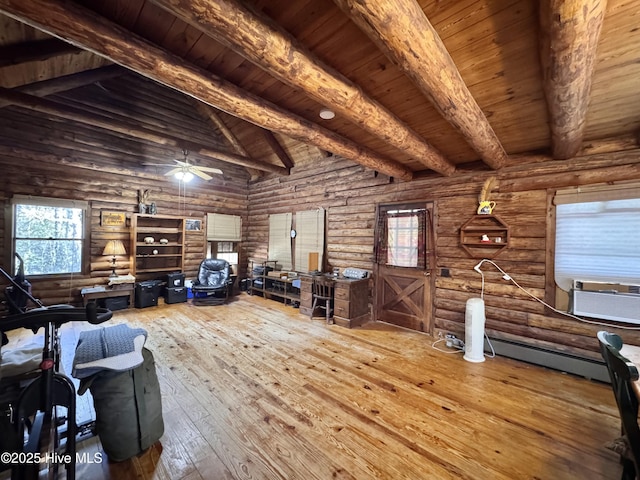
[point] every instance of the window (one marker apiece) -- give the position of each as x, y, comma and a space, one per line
50, 235
224, 227
597, 232
224, 233
280, 239
224, 250
402, 236
309, 239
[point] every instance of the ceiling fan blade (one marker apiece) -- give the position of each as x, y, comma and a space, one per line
200, 174
208, 169
173, 171
157, 164
181, 163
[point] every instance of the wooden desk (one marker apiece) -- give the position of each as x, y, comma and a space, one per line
351, 300
120, 290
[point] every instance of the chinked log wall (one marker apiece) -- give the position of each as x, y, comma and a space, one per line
350, 193
48, 158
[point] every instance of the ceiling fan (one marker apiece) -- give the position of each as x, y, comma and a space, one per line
185, 171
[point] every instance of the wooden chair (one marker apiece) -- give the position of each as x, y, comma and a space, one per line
623, 373
323, 289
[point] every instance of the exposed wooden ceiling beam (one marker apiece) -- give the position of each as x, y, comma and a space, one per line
36, 51
211, 115
265, 43
277, 148
70, 113
83, 27
68, 82
570, 30
392, 26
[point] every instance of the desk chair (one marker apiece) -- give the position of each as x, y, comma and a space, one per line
214, 284
622, 373
323, 288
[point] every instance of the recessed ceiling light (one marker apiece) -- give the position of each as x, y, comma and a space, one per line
327, 114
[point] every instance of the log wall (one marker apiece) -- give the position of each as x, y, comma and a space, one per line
44, 156
350, 193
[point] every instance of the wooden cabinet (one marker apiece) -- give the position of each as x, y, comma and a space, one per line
165, 254
484, 236
351, 302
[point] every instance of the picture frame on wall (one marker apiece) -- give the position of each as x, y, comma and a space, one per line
112, 219
193, 224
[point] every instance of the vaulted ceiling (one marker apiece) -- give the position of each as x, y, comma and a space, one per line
418, 87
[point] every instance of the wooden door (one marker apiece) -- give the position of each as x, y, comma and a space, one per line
404, 260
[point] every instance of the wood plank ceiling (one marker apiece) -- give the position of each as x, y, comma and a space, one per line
418, 86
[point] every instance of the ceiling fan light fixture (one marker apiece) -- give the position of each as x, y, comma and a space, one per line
184, 175
327, 114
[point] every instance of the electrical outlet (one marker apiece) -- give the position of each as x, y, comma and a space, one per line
454, 342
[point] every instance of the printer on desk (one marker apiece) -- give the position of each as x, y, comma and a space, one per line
355, 273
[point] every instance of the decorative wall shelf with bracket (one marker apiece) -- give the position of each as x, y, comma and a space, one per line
484, 236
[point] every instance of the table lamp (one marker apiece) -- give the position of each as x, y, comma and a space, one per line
113, 248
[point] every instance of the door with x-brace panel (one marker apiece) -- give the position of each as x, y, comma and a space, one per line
404, 260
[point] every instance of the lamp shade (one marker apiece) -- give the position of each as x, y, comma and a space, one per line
114, 247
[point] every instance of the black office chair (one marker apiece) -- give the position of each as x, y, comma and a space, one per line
622, 373
323, 289
214, 284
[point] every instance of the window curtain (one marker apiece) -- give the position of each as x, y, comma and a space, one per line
224, 228
597, 231
382, 233
309, 238
280, 239
384, 241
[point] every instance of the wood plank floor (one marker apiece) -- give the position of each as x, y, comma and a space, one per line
255, 390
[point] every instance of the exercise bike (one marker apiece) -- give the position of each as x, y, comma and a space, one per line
44, 415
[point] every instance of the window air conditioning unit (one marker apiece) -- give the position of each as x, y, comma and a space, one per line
620, 303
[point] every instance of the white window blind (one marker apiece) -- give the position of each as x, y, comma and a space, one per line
597, 240
280, 239
224, 228
309, 238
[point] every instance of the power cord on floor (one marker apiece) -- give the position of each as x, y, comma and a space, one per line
433, 345
508, 277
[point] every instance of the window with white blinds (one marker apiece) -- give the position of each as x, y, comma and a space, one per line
309, 238
597, 236
280, 239
224, 228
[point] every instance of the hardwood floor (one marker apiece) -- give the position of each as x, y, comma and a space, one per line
255, 390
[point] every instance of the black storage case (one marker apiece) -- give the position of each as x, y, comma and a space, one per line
175, 295
147, 293
115, 303
175, 280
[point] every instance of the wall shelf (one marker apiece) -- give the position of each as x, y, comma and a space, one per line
169, 257
472, 232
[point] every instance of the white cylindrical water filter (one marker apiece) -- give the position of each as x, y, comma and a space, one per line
474, 331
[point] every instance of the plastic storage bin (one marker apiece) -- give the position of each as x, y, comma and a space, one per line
175, 295
147, 293
175, 280
115, 303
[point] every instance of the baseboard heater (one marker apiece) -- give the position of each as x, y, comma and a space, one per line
606, 304
564, 362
